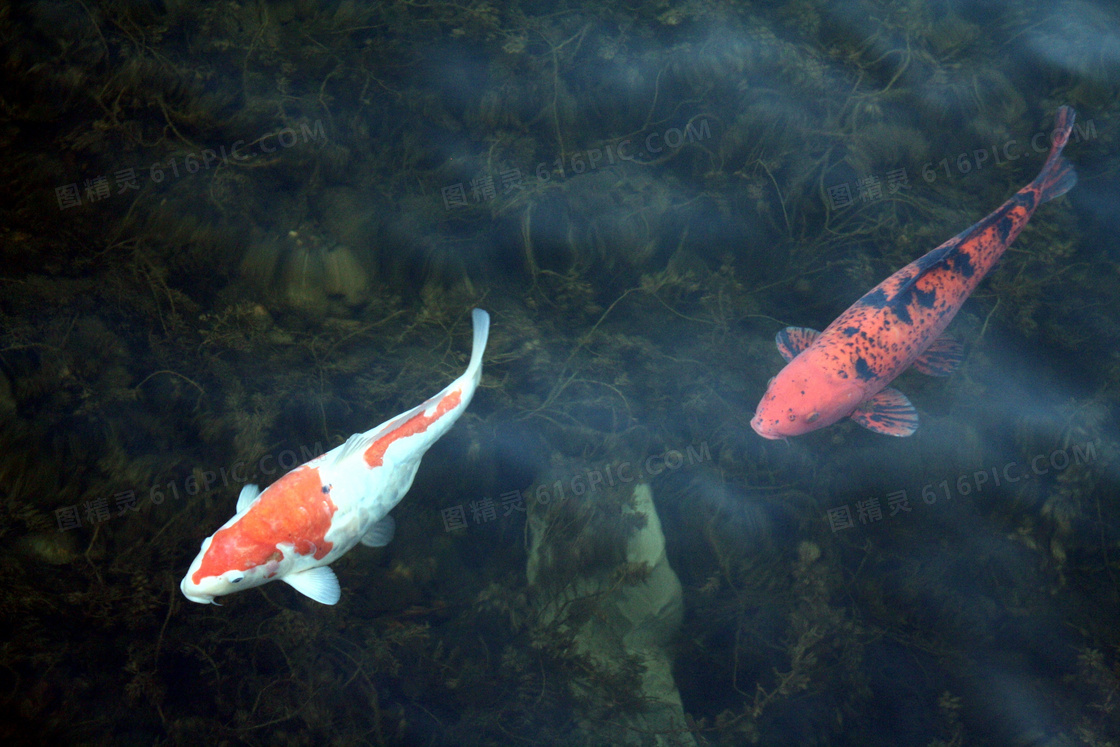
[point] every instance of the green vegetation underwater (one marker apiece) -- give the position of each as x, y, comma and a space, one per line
236, 233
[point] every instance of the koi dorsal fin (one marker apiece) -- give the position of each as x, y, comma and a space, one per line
889, 413
792, 340
942, 357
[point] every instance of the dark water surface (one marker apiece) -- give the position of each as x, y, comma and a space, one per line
236, 233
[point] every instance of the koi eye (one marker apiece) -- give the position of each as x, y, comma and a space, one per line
812, 417
237, 579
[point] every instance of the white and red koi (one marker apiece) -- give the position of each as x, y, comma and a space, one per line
316, 513
845, 370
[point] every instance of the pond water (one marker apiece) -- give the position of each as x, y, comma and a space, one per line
237, 234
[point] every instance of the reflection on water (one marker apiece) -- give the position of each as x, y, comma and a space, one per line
237, 234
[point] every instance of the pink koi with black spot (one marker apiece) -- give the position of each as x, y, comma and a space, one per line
845, 370
316, 513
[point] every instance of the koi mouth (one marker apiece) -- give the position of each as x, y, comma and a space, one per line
200, 598
759, 428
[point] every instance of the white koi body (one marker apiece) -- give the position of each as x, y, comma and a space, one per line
310, 517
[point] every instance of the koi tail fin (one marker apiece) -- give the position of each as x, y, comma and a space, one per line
481, 321
1058, 175
1056, 179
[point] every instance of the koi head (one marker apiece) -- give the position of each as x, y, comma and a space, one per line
226, 565
803, 398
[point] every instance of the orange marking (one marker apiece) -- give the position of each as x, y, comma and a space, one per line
418, 423
294, 509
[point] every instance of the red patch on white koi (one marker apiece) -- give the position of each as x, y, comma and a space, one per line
418, 423
293, 510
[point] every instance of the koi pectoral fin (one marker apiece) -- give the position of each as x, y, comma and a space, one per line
942, 357
317, 583
792, 340
889, 412
381, 533
248, 494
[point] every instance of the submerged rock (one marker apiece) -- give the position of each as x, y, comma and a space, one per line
635, 609
52, 548
306, 270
